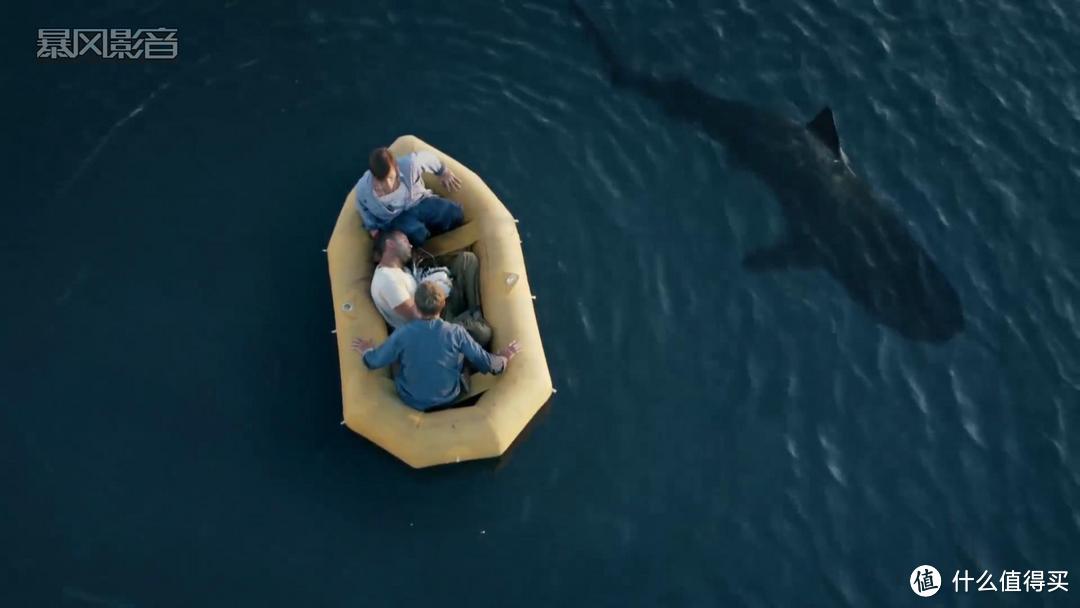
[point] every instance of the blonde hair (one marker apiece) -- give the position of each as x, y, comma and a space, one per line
429, 298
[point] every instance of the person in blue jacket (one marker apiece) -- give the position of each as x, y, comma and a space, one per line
391, 195
431, 354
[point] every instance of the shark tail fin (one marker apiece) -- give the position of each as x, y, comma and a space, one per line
824, 128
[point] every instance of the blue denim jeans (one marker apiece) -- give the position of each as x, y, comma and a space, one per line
430, 217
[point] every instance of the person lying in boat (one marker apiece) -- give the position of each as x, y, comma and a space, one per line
394, 284
432, 354
391, 196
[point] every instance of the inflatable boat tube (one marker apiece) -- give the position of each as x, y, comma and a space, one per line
506, 402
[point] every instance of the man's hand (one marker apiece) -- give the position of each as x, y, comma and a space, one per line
449, 180
511, 349
362, 345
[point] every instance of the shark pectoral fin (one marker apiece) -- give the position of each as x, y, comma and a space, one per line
824, 128
784, 255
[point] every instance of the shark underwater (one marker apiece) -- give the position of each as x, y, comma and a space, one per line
834, 222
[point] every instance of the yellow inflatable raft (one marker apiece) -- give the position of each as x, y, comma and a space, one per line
506, 402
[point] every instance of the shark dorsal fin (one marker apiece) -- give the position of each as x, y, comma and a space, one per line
824, 129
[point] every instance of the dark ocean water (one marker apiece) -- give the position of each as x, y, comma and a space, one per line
169, 394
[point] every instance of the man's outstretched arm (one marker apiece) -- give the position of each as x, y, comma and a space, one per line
376, 358
427, 161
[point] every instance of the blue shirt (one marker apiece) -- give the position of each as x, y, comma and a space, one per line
432, 353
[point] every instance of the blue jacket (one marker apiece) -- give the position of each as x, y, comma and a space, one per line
432, 353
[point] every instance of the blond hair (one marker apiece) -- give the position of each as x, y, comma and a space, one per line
429, 298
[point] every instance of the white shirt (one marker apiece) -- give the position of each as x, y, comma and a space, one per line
390, 288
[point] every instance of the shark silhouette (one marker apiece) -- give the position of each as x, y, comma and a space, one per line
833, 220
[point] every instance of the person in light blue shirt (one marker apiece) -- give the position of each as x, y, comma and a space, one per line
431, 354
391, 195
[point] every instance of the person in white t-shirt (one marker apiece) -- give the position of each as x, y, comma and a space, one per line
393, 286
